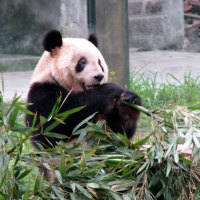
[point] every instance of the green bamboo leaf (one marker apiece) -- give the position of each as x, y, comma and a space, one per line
169, 167
124, 139
14, 101
196, 141
141, 142
83, 191
143, 167
55, 135
37, 184
93, 185
74, 196
83, 133
2, 181
128, 196
189, 133
197, 191
46, 165
22, 175
73, 187
116, 196
12, 117
176, 157
17, 160
24, 110
59, 121
197, 132
3, 196
62, 166
59, 177
169, 149
70, 112
82, 123
58, 192
188, 142
25, 196
55, 109
63, 116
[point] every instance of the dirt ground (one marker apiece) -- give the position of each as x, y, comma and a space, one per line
161, 62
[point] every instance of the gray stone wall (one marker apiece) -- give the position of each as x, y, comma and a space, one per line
156, 24
23, 23
111, 28
153, 24
73, 19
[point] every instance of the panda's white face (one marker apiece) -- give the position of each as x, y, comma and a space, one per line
80, 64
76, 65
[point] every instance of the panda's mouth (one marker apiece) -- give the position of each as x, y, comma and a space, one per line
89, 87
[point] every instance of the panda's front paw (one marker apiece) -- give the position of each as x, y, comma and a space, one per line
131, 97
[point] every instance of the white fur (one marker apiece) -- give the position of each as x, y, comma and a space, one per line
62, 61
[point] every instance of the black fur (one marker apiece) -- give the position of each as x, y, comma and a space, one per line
105, 100
51, 40
81, 65
93, 39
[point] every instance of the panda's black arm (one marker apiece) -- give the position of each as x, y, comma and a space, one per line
103, 100
100, 99
43, 97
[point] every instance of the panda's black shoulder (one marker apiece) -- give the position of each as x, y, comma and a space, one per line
41, 91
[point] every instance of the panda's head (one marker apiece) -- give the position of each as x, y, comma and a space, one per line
73, 63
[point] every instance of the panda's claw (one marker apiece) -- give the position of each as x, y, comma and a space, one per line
130, 97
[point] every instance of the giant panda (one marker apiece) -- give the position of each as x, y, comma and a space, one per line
75, 70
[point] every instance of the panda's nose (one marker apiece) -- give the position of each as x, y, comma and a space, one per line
98, 78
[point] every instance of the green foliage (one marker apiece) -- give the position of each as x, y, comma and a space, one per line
101, 164
154, 95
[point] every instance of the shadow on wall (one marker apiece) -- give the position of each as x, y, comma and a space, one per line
23, 23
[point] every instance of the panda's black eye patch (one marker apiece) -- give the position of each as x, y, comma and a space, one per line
99, 62
81, 65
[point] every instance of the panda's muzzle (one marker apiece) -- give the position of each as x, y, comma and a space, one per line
99, 78
89, 87
97, 82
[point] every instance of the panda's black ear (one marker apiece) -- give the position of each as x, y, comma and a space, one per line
93, 38
51, 40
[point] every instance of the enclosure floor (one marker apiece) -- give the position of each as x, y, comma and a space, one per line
165, 64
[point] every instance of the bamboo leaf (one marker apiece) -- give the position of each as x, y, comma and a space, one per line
83, 191
196, 141
58, 192
143, 167
93, 185
82, 123
59, 177
22, 175
73, 187
74, 196
55, 135
140, 142
169, 167
188, 142
128, 196
176, 156
63, 116
62, 166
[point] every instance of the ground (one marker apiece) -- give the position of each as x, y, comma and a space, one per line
150, 62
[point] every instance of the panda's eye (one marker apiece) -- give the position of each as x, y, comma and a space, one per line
81, 64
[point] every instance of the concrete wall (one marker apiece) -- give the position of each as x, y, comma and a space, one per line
156, 24
73, 19
23, 23
153, 24
111, 29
